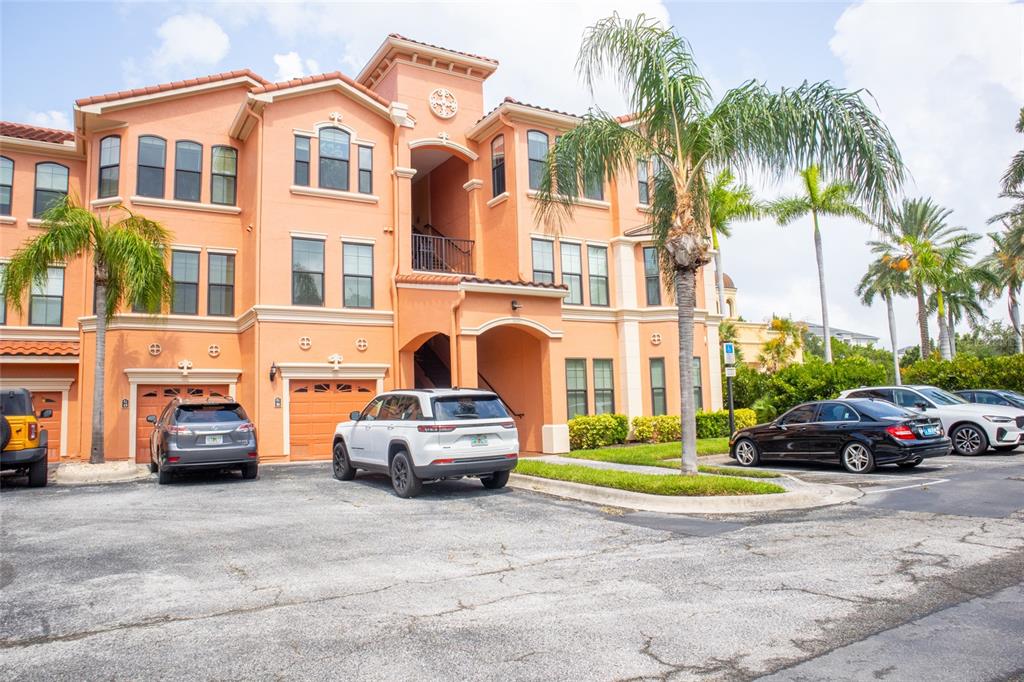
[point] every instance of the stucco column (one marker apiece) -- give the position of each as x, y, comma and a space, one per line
474, 198
464, 365
629, 370
714, 363
555, 431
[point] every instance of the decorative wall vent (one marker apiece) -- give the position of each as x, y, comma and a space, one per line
213, 350
656, 339
362, 344
305, 343
155, 349
443, 103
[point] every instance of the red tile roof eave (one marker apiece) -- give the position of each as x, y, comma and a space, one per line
174, 85
517, 283
320, 78
36, 133
398, 36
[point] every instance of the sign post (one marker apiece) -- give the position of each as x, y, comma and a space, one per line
729, 351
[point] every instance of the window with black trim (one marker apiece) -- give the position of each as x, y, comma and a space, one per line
110, 167
152, 164
46, 302
334, 156
301, 161
365, 170
6, 184
652, 279
221, 288
497, 165
597, 271
657, 372
543, 260
185, 290
307, 272
357, 275
576, 386
593, 188
537, 153
572, 272
188, 170
643, 183
51, 187
223, 175
698, 393
604, 387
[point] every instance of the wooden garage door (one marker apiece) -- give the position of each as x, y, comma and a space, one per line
316, 407
153, 399
42, 400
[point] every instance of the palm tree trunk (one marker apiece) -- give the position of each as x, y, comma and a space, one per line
922, 321
719, 275
892, 339
96, 455
686, 301
951, 331
1011, 297
943, 330
826, 333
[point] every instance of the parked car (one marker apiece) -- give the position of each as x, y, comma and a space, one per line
426, 435
24, 442
202, 433
859, 434
993, 397
972, 427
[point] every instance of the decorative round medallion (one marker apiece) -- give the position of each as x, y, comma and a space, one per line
362, 344
443, 103
305, 343
213, 350
155, 349
656, 339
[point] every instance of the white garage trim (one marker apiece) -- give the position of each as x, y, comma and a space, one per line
62, 385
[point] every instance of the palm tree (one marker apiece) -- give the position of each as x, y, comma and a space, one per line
1006, 265
962, 294
835, 200
728, 202
1013, 178
939, 266
675, 121
128, 266
882, 280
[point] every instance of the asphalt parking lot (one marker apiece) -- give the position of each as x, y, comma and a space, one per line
299, 576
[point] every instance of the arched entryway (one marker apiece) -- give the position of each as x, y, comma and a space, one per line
432, 363
512, 361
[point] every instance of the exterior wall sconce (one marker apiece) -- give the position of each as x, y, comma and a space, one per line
273, 371
516, 305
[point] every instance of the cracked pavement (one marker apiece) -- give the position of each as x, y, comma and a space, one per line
299, 576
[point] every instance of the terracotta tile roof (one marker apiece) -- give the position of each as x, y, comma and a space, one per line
444, 278
37, 133
438, 47
513, 100
427, 278
164, 87
320, 78
516, 282
39, 348
625, 118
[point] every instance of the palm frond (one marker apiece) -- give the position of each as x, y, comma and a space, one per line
136, 270
786, 210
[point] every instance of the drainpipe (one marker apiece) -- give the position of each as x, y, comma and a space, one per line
258, 230
395, 355
456, 352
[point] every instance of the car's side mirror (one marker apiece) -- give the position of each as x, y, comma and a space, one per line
780, 425
354, 415
151, 419
46, 414
921, 405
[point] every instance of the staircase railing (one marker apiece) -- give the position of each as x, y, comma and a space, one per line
441, 254
518, 415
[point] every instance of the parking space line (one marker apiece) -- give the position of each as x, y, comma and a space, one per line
936, 481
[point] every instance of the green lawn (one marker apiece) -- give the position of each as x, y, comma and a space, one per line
663, 455
654, 484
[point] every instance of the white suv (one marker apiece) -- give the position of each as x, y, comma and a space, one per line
429, 434
973, 427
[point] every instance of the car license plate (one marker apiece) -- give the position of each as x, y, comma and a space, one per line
477, 441
929, 431
215, 440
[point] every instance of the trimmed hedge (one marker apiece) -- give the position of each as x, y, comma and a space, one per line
597, 431
665, 428
967, 371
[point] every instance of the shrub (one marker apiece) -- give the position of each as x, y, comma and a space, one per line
665, 428
597, 431
966, 371
661, 429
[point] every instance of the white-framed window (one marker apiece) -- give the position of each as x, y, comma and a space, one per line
537, 154
572, 272
46, 302
334, 150
110, 167
543, 260
357, 275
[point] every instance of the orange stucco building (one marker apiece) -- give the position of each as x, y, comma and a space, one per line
334, 237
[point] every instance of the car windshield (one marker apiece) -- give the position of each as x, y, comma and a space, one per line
469, 407
940, 397
879, 409
209, 414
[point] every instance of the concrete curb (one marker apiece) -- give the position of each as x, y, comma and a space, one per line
83, 473
802, 496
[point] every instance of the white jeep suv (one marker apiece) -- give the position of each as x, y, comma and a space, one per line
429, 434
973, 427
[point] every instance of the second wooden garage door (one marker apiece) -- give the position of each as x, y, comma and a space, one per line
316, 407
153, 399
42, 400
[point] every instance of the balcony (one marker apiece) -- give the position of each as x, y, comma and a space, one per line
432, 253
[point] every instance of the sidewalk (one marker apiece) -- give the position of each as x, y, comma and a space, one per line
84, 473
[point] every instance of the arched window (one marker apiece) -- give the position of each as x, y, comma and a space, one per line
224, 175
537, 153
152, 162
188, 170
51, 187
6, 184
497, 165
110, 166
334, 155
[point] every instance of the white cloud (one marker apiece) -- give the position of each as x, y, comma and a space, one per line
188, 42
291, 65
50, 119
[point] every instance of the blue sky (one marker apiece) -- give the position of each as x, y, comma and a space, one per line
948, 79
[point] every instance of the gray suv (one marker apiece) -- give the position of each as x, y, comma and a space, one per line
202, 433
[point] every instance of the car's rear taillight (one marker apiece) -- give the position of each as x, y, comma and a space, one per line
175, 430
434, 428
246, 427
508, 425
901, 432
33, 430
442, 461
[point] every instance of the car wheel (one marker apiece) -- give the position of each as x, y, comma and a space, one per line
909, 465
343, 470
968, 440
163, 476
250, 471
403, 478
153, 468
858, 458
5, 432
496, 480
1005, 448
37, 473
747, 453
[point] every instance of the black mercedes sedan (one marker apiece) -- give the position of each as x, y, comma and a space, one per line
858, 433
